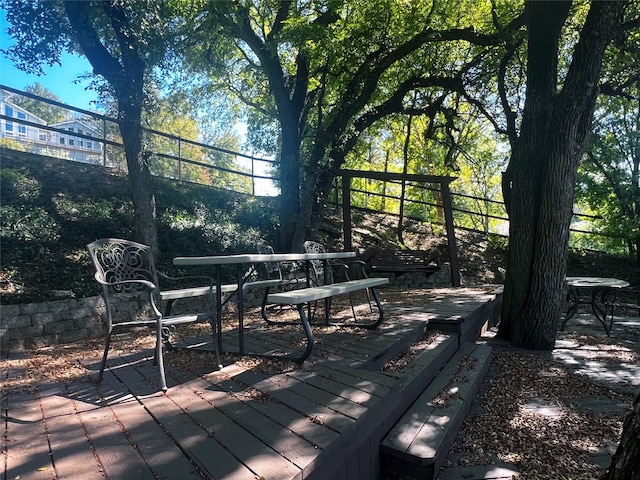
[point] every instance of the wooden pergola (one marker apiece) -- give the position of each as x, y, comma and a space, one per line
445, 193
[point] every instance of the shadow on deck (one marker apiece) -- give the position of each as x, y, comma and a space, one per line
253, 419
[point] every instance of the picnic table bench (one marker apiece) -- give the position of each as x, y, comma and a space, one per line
301, 298
398, 262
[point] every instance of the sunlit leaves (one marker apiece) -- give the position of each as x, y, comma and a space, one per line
608, 181
30, 51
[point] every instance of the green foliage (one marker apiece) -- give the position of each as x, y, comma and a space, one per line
212, 230
52, 208
608, 176
315, 77
12, 144
28, 225
22, 218
19, 185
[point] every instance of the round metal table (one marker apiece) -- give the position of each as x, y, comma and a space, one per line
600, 288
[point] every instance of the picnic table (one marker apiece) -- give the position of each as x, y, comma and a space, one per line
594, 291
240, 261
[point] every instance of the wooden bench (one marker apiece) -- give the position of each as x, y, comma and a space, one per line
302, 297
170, 296
398, 262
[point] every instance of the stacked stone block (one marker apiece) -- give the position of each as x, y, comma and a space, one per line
35, 325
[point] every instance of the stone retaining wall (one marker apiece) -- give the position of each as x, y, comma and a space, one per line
34, 325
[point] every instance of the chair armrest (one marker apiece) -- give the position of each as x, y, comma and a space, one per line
362, 266
350, 266
203, 278
334, 264
149, 285
150, 289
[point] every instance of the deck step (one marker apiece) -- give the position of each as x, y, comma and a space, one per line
419, 442
470, 326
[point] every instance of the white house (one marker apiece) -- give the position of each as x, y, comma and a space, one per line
71, 144
78, 147
16, 130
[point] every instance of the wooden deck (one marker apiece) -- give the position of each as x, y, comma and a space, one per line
252, 420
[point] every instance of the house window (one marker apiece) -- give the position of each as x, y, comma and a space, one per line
8, 111
80, 143
42, 136
71, 141
61, 140
8, 128
70, 129
22, 129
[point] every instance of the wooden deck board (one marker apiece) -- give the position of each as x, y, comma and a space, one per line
334, 388
249, 449
323, 420
28, 450
68, 448
323, 397
278, 388
117, 455
298, 451
193, 438
374, 384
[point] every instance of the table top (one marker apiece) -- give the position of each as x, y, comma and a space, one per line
259, 258
596, 282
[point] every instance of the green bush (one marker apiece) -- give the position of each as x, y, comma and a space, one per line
27, 224
52, 208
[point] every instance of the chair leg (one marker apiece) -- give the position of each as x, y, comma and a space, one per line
107, 343
353, 309
159, 356
214, 336
167, 310
263, 306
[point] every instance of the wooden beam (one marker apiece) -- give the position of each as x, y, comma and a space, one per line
447, 206
346, 213
409, 177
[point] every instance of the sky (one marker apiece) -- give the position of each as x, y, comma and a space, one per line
59, 79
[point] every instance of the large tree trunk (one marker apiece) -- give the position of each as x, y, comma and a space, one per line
625, 464
126, 77
541, 175
140, 181
290, 236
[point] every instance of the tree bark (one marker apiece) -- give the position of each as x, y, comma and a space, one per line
126, 77
290, 186
541, 175
625, 464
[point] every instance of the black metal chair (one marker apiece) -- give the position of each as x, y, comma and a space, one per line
320, 276
279, 270
284, 275
126, 271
